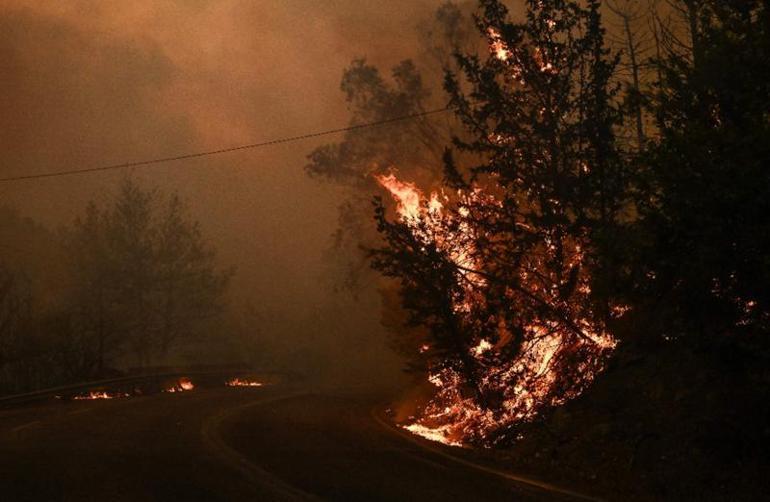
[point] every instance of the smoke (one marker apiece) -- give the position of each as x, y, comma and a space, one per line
89, 83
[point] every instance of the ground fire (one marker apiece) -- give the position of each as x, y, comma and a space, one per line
238, 382
100, 395
182, 385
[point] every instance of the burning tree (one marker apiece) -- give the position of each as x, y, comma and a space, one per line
416, 146
501, 266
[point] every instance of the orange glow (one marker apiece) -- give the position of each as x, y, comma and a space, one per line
497, 46
184, 384
407, 196
237, 382
538, 377
438, 434
100, 395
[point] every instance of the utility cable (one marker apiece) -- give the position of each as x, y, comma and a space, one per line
252, 146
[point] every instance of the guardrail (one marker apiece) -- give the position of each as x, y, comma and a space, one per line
154, 378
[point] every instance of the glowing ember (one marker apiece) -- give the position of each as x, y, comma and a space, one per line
184, 384
100, 395
237, 382
482, 347
497, 46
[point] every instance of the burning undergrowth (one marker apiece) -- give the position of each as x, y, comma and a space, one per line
181, 385
140, 388
100, 394
243, 382
504, 349
163, 385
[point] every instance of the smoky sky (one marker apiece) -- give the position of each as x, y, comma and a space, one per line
87, 83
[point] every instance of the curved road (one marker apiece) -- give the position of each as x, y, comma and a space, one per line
267, 443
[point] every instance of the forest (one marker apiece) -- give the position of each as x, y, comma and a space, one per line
580, 251
553, 218
123, 285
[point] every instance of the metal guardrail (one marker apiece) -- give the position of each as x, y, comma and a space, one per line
156, 378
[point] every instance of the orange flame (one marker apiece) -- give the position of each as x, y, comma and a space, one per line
497, 46
407, 196
184, 384
100, 395
237, 382
528, 382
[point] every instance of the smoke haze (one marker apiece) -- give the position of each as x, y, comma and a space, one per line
94, 83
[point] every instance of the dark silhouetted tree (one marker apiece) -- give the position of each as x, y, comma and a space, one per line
705, 211
144, 276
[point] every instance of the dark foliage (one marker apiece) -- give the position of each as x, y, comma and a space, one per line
704, 230
132, 280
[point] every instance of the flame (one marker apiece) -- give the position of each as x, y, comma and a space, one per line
501, 51
237, 382
407, 196
557, 360
438, 434
497, 46
100, 395
184, 384
482, 347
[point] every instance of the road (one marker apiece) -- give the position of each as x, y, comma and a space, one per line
267, 443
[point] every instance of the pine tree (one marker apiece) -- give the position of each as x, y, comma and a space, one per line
704, 268
144, 277
504, 267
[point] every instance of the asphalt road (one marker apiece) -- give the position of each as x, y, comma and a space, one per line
267, 443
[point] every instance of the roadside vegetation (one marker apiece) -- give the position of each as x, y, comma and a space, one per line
125, 284
583, 275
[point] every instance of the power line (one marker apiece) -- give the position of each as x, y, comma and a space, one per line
252, 146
